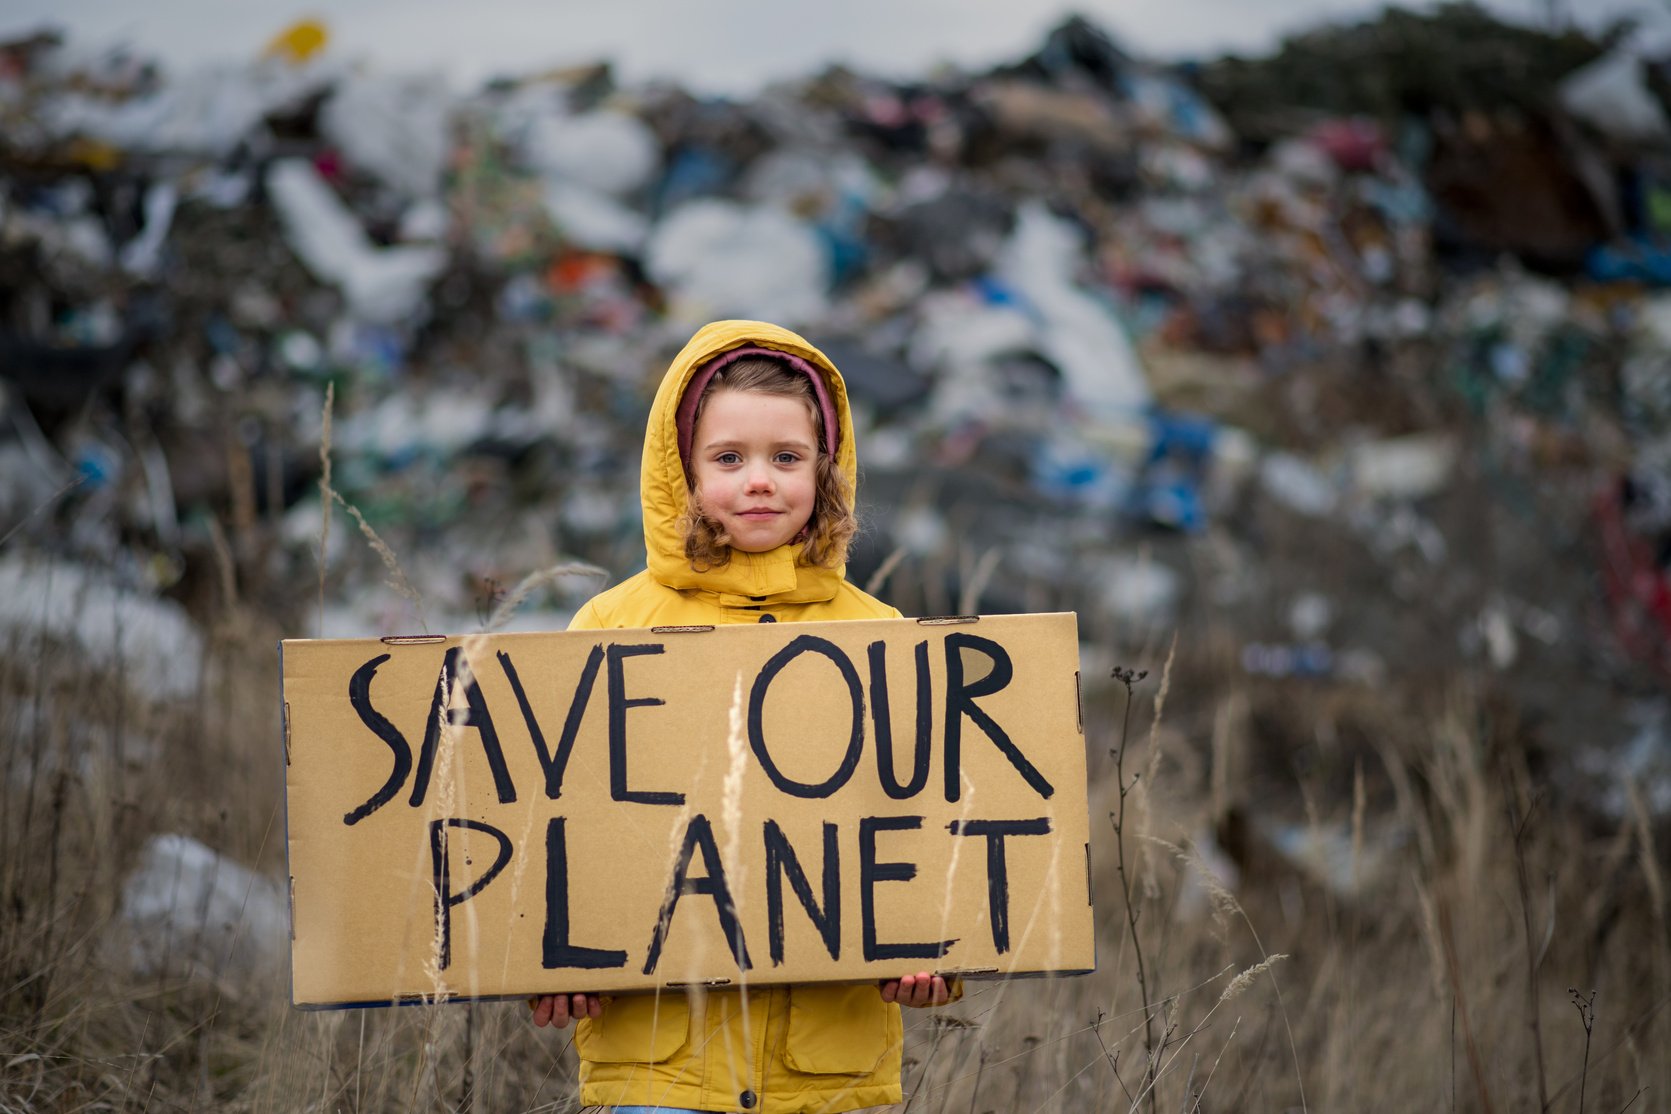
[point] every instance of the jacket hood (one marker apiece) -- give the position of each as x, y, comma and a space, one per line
781, 574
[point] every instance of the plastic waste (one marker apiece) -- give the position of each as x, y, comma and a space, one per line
1168, 489
1411, 467
1639, 259
1612, 95
877, 380
961, 340
1355, 144
1309, 616
1138, 590
1279, 659
957, 233
153, 641
405, 424
1079, 473
611, 152
1076, 332
381, 284
299, 42
591, 219
1173, 108
209, 110
1297, 485
191, 911
724, 259
142, 255
397, 129
832, 190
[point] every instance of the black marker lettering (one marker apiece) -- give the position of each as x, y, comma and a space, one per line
555, 949
554, 767
781, 863
960, 701
445, 898
872, 872
997, 871
618, 706
699, 832
806, 643
359, 697
474, 714
884, 726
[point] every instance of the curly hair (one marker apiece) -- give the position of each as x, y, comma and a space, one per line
833, 524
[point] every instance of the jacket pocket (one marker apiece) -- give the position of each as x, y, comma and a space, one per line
636, 1029
839, 1030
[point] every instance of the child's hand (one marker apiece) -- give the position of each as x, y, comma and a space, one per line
557, 1010
919, 990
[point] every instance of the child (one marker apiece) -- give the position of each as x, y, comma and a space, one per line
747, 483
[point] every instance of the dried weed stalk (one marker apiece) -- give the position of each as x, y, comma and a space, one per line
1128, 679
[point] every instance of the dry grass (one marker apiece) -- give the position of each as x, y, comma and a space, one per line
1397, 976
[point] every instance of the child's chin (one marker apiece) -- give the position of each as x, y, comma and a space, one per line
756, 544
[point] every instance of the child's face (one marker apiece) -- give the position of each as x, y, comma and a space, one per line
754, 460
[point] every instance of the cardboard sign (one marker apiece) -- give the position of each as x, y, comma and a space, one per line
638, 809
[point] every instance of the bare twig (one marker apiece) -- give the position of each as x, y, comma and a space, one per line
1113, 1058
1128, 678
1587, 1017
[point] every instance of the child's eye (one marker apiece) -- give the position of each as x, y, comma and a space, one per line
728, 458
788, 458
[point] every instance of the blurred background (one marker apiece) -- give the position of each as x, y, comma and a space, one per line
1318, 357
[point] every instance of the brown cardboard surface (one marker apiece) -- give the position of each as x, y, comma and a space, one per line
630, 809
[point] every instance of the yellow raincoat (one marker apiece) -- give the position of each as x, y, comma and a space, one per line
770, 1050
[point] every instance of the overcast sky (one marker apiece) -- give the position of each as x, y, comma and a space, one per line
714, 45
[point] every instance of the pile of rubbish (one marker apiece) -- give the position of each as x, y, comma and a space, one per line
1088, 306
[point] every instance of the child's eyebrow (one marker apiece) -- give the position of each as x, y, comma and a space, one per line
786, 443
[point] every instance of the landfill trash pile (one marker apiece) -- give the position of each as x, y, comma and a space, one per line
1201, 347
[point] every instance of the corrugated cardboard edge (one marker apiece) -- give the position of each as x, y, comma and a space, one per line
284, 807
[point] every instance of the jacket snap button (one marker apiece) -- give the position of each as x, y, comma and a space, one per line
747, 1099
768, 618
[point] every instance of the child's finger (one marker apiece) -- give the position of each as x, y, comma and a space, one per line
924, 990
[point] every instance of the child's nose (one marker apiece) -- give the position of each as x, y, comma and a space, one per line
760, 479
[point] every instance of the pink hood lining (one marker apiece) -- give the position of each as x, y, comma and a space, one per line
686, 416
